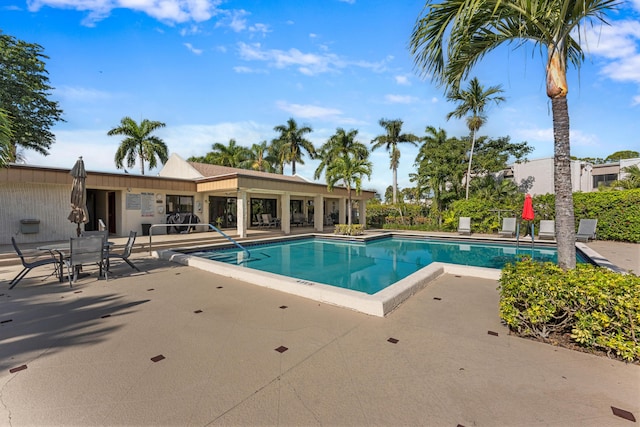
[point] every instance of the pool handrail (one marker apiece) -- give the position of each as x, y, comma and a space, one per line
212, 227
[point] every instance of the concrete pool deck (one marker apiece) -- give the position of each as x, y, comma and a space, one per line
83, 356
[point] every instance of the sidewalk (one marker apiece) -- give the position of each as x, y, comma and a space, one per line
177, 346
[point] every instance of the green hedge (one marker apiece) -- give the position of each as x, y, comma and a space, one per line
599, 308
617, 212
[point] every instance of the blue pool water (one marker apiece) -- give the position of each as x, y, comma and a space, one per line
372, 266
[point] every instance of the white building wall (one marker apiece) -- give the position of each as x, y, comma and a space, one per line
177, 167
48, 203
626, 163
541, 173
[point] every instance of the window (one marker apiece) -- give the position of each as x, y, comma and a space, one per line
295, 206
181, 204
264, 206
604, 180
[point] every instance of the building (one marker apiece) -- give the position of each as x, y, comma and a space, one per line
536, 176
36, 200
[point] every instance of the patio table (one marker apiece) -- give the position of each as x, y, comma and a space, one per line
59, 250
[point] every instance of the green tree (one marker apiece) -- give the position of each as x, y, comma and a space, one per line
276, 151
139, 143
492, 154
592, 160
339, 144
293, 143
631, 179
231, 155
24, 93
491, 188
451, 36
472, 103
260, 159
441, 166
390, 141
348, 169
388, 194
620, 155
6, 148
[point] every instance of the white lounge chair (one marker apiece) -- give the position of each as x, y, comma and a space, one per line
464, 226
547, 229
270, 221
508, 227
587, 230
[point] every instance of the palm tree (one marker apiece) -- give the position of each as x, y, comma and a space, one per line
348, 169
292, 138
276, 152
341, 143
473, 101
6, 148
451, 36
632, 178
231, 155
439, 166
139, 143
260, 159
390, 141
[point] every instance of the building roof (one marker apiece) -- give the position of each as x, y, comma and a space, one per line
209, 171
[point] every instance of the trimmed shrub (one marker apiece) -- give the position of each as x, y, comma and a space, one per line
600, 309
349, 230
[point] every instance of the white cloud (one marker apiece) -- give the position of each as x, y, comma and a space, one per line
636, 100
577, 137
171, 11
259, 28
348, 1
307, 63
309, 111
98, 149
248, 70
402, 80
400, 99
234, 19
620, 44
75, 93
193, 49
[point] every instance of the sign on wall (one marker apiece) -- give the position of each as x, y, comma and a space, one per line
148, 204
133, 202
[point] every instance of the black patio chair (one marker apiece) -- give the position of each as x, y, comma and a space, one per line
29, 265
126, 252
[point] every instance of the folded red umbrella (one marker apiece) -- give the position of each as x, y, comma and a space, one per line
527, 209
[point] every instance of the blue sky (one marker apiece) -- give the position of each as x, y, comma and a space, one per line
213, 70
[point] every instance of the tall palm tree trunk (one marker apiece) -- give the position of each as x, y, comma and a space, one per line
349, 209
565, 222
141, 159
473, 144
395, 185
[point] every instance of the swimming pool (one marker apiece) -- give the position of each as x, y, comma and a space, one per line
369, 266
305, 265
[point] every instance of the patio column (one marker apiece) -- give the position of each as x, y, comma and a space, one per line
342, 210
362, 212
318, 213
241, 214
285, 221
